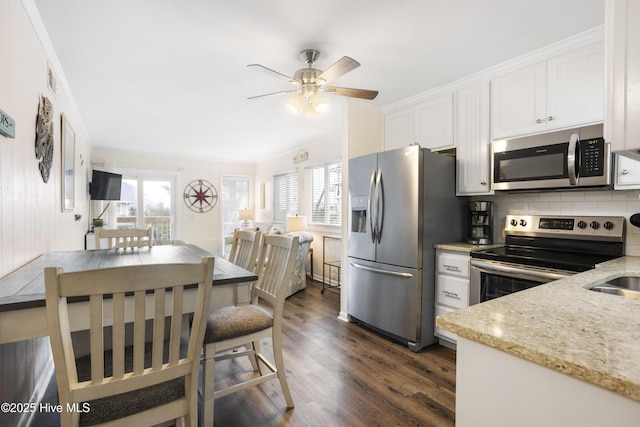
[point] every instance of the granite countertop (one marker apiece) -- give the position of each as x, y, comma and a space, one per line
465, 247
562, 325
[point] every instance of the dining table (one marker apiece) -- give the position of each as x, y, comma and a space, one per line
22, 294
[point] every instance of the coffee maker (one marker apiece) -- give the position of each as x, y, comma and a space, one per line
480, 223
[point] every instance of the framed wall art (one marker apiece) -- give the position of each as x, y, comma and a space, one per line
68, 167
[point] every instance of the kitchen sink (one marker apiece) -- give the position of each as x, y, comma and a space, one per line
626, 286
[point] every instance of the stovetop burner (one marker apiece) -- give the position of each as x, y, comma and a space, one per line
558, 260
573, 244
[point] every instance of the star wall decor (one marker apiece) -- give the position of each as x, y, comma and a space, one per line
200, 196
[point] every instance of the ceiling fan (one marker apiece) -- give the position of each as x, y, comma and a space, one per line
312, 81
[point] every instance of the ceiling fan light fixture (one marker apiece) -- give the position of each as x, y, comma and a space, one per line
319, 103
295, 104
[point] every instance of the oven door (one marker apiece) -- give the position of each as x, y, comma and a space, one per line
491, 280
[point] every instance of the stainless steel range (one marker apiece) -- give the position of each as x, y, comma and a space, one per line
542, 248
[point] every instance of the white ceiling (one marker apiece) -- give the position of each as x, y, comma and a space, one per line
170, 76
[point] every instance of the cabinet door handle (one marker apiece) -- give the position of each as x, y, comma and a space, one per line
625, 172
550, 118
483, 182
451, 267
450, 294
539, 121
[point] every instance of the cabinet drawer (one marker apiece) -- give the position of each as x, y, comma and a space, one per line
452, 291
453, 263
449, 336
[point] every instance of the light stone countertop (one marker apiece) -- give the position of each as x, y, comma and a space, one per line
564, 326
465, 247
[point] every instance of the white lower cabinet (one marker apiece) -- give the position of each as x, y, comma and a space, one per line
452, 287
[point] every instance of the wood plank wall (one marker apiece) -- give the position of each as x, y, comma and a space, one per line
31, 217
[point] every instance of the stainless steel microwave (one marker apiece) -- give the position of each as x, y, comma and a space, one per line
528, 165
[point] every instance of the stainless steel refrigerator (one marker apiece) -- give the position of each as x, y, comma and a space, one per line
401, 203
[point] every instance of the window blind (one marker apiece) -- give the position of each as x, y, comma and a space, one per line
285, 196
325, 194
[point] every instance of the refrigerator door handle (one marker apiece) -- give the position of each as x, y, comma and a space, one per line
380, 207
372, 206
377, 270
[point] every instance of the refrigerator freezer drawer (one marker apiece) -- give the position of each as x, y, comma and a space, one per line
386, 297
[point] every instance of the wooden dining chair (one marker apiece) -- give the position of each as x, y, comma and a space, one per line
150, 381
244, 253
124, 238
245, 248
231, 328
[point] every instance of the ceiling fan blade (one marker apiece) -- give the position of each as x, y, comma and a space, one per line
274, 93
353, 93
343, 66
272, 73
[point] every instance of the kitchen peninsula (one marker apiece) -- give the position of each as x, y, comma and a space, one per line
557, 354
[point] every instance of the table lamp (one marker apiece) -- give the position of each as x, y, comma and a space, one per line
245, 215
296, 223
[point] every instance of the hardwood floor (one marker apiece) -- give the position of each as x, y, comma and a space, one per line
340, 374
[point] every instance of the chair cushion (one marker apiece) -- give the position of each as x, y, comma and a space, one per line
122, 405
236, 321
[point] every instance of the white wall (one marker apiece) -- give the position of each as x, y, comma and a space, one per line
31, 217
201, 229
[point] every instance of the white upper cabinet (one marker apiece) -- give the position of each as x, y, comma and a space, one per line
622, 36
575, 87
518, 102
398, 129
434, 123
428, 123
473, 149
565, 91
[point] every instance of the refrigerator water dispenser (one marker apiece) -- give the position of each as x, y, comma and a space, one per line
359, 214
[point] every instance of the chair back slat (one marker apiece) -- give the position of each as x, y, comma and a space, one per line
123, 238
275, 265
109, 303
176, 325
139, 327
158, 329
96, 339
118, 338
245, 248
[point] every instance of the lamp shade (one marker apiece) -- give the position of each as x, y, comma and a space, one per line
296, 223
245, 214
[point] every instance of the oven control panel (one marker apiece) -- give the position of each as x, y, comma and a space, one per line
608, 228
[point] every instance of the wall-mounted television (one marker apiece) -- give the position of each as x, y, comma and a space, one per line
105, 185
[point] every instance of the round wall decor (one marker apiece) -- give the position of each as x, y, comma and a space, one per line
200, 196
44, 137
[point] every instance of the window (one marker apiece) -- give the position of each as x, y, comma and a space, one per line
325, 194
235, 196
147, 202
285, 196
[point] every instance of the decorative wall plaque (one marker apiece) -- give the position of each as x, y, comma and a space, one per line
44, 137
200, 196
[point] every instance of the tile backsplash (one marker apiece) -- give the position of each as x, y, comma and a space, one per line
614, 203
